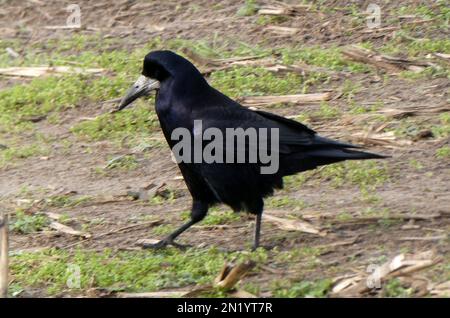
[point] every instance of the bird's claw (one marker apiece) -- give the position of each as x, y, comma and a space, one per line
159, 245
180, 246
163, 244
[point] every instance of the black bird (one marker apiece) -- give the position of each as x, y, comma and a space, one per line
183, 95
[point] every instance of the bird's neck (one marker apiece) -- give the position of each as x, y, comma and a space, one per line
181, 96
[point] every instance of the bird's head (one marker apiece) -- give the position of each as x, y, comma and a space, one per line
161, 67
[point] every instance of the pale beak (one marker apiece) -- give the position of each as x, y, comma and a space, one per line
142, 87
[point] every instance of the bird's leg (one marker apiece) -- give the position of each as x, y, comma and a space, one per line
199, 210
169, 240
257, 231
258, 211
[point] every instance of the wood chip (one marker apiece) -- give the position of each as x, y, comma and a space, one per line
121, 229
141, 242
399, 113
369, 219
12, 53
36, 249
441, 290
443, 56
231, 274
53, 216
379, 30
423, 238
345, 283
388, 63
47, 70
241, 294
255, 101
284, 9
300, 69
287, 31
338, 243
208, 65
410, 226
68, 230
387, 139
62, 27
157, 294
399, 266
293, 225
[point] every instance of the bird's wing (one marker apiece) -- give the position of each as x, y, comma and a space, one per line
291, 130
292, 134
286, 121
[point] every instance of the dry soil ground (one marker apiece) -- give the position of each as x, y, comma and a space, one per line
369, 212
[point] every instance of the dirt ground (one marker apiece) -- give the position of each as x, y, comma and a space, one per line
418, 199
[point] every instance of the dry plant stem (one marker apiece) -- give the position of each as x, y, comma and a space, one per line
4, 247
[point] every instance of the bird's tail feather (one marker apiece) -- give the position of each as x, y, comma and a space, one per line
344, 154
318, 157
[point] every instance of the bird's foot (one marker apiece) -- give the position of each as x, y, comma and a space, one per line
266, 247
163, 244
156, 246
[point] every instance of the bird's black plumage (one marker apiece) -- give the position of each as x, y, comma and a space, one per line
184, 96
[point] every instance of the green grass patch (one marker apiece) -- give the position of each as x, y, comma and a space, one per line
326, 111
221, 217
344, 216
368, 196
216, 216
285, 202
442, 130
288, 289
425, 46
66, 201
395, 288
44, 95
439, 11
166, 196
248, 8
365, 174
357, 109
330, 58
127, 162
134, 271
245, 81
415, 164
296, 180
9, 156
28, 223
415, 47
163, 229
130, 271
136, 122
429, 72
50, 95
443, 152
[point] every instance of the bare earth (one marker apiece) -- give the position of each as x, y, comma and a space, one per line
409, 190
